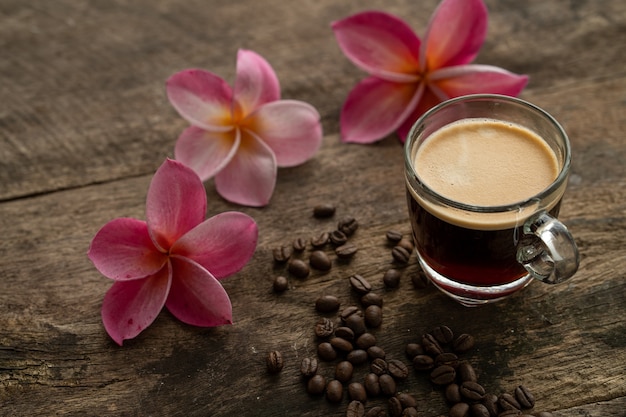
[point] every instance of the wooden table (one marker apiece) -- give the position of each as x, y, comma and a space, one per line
84, 122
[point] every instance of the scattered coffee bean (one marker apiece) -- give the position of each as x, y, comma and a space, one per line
308, 367
452, 393
357, 357
356, 323
321, 240
298, 268
443, 375
459, 410
430, 345
360, 284
282, 254
348, 225
327, 304
320, 261
447, 358
443, 334
393, 236
410, 412
413, 349
326, 352
510, 413
343, 371
508, 402
356, 391
376, 412
334, 391
524, 397
479, 410
366, 341
400, 254
280, 284
372, 298
338, 238
345, 251
397, 369
378, 366
370, 382
348, 311
299, 244
395, 407
472, 391
466, 372
341, 344
376, 352
323, 211
407, 400
420, 280
316, 385
463, 343
387, 384
423, 363
406, 244
274, 362
324, 328
355, 409
391, 278
490, 401
373, 316
345, 333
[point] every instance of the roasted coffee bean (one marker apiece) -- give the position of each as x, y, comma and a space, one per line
323, 210
348, 311
510, 413
406, 244
320, 261
452, 393
397, 369
395, 407
443, 375
400, 254
379, 367
376, 352
524, 397
393, 236
298, 268
274, 362
420, 280
316, 385
326, 352
479, 410
370, 382
407, 400
357, 323
280, 284
338, 238
366, 341
355, 409
459, 410
308, 367
345, 251
327, 304
430, 345
490, 401
410, 412
324, 327
360, 284
443, 335
372, 299
334, 391
345, 333
341, 344
373, 316
466, 372
298, 244
463, 343
356, 391
282, 254
447, 358
321, 240
376, 411
391, 278
423, 363
343, 371
413, 349
357, 357
348, 225
387, 384
508, 402
472, 391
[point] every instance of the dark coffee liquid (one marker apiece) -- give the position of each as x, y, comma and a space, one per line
470, 256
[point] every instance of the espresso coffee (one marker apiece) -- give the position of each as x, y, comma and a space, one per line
478, 163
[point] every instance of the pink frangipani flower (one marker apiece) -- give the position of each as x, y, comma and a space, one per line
408, 76
241, 135
175, 258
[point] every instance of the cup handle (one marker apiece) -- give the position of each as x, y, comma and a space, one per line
547, 249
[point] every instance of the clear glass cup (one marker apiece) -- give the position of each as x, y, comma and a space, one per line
481, 253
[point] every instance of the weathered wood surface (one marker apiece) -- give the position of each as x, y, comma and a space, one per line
84, 122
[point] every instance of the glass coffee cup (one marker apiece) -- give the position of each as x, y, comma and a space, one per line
485, 175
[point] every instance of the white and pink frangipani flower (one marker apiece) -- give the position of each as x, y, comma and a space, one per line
241, 135
409, 76
175, 258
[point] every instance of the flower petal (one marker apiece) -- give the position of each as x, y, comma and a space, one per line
202, 98
250, 177
256, 82
222, 244
196, 297
427, 101
375, 108
381, 44
122, 250
473, 79
290, 128
131, 306
206, 152
455, 33
176, 203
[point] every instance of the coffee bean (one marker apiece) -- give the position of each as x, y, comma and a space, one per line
274, 362
326, 352
373, 316
479, 410
420, 280
463, 343
343, 371
410, 412
407, 400
379, 367
298, 268
406, 244
423, 363
376, 352
508, 402
459, 410
325, 210
400, 254
345, 251
370, 382
387, 384
321, 240
510, 413
357, 357
466, 372
372, 298
299, 244
472, 391
443, 375
376, 412
320, 261
430, 345
366, 341
395, 407
356, 391
355, 409
348, 311
338, 238
452, 393
393, 236
360, 284
341, 344
357, 323
334, 391
447, 358
308, 367
443, 335
524, 397
490, 401
397, 369
413, 349
324, 327
345, 333
327, 304
391, 278
282, 254
316, 385
348, 225
280, 284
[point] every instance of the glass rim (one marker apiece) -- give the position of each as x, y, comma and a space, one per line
553, 187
